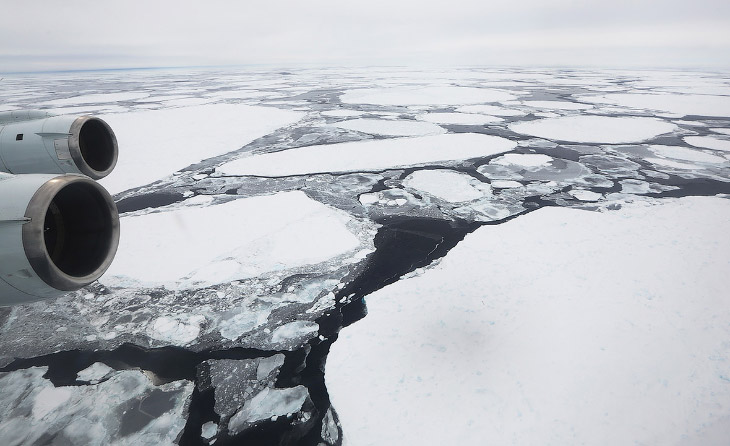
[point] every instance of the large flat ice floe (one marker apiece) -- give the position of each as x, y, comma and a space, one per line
595, 129
202, 246
425, 96
391, 127
679, 104
363, 156
156, 143
559, 327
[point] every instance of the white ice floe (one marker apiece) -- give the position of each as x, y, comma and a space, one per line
390, 127
585, 195
459, 118
156, 143
267, 404
341, 113
94, 373
557, 105
424, 96
178, 329
448, 185
595, 129
679, 104
100, 98
505, 184
126, 409
561, 326
523, 160
490, 110
242, 238
708, 142
369, 155
722, 131
686, 154
293, 333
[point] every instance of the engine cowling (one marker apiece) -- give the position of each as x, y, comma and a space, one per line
36, 142
57, 234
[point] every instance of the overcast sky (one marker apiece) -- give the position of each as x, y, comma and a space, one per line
91, 34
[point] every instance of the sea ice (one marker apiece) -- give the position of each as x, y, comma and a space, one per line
679, 104
490, 110
341, 113
595, 129
267, 404
390, 128
709, 142
125, 409
155, 143
369, 155
447, 185
557, 105
424, 96
723, 131
459, 118
251, 236
178, 329
100, 98
621, 327
94, 373
585, 195
685, 154
291, 335
523, 160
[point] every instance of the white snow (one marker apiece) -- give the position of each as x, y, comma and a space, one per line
522, 160
708, 142
242, 238
680, 104
369, 155
156, 143
686, 154
557, 105
561, 326
459, 118
490, 110
447, 185
424, 96
48, 399
390, 127
595, 129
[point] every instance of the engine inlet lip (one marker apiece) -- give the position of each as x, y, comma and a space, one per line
74, 146
34, 242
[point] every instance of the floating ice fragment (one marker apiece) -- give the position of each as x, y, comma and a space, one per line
505, 184
680, 104
94, 373
341, 113
722, 131
709, 142
685, 154
390, 127
595, 129
370, 155
294, 333
267, 404
585, 195
179, 329
209, 430
523, 160
459, 118
424, 96
490, 110
447, 185
558, 105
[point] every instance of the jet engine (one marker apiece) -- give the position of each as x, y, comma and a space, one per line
59, 229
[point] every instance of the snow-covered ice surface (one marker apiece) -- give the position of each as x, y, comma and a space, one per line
607, 332
262, 210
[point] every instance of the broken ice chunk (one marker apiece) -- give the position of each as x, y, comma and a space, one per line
595, 129
292, 335
448, 185
94, 373
267, 404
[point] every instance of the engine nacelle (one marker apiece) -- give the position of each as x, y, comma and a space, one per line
36, 142
57, 234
